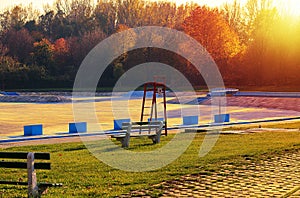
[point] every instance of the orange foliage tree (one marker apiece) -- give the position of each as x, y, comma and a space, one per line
42, 55
61, 46
210, 28
213, 32
61, 55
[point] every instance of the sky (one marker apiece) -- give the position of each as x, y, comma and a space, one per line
36, 3
290, 6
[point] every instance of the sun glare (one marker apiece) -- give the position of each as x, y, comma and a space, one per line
290, 7
285, 7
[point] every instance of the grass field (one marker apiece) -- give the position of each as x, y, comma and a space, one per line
84, 176
278, 125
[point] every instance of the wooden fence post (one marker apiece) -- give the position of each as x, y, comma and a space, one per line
32, 180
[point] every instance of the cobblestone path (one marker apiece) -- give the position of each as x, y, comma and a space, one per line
278, 176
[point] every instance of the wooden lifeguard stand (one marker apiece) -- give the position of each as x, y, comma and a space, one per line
155, 88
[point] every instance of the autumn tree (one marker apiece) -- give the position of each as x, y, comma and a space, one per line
252, 44
19, 44
15, 74
61, 26
3, 49
234, 14
105, 15
80, 15
16, 17
81, 46
43, 55
62, 57
182, 12
45, 23
135, 13
211, 30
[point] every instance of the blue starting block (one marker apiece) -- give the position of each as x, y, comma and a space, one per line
220, 118
78, 127
32, 130
190, 120
118, 123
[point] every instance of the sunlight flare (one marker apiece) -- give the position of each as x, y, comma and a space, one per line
289, 7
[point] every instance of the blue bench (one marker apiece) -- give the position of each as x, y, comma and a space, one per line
152, 130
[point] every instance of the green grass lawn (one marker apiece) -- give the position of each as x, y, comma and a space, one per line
83, 175
278, 125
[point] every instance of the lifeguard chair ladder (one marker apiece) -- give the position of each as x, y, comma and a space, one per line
155, 88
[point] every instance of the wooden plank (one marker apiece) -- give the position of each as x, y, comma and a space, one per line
147, 123
134, 123
143, 135
23, 165
14, 183
146, 127
23, 155
50, 184
26, 183
41, 165
142, 123
42, 156
135, 136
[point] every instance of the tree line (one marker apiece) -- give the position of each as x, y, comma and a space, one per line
253, 44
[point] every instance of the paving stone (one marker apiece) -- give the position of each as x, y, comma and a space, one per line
271, 177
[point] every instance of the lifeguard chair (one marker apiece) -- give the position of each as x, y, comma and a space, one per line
157, 88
